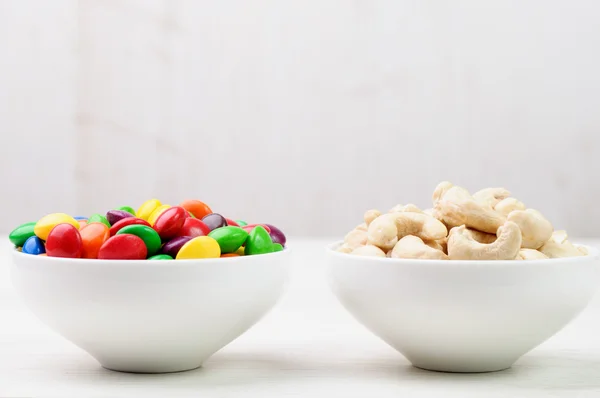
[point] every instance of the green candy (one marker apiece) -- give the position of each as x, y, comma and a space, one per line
23, 232
229, 238
128, 209
147, 234
258, 242
241, 223
161, 257
98, 218
191, 215
277, 247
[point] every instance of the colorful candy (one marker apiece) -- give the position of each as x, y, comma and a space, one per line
147, 234
155, 231
199, 247
197, 208
65, 241
229, 238
258, 242
146, 209
170, 221
114, 216
20, 234
45, 224
214, 221
194, 227
98, 218
123, 247
93, 237
33, 245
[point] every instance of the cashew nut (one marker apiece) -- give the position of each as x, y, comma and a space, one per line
355, 238
434, 244
368, 250
383, 232
419, 224
345, 249
530, 254
461, 246
457, 207
535, 228
559, 246
413, 247
481, 237
440, 191
370, 215
489, 197
505, 206
361, 227
406, 208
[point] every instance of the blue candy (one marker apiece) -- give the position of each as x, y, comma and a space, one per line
80, 218
34, 245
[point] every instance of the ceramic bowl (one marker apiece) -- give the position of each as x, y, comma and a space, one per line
463, 316
150, 316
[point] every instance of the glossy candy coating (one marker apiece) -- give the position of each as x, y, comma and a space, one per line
125, 222
231, 222
146, 209
147, 234
93, 237
199, 247
64, 241
79, 218
240, 251
250, 227
156, 213
277, 236
114, 216
123, 247
214, 221
193, 227
230, 238
98, 218
19, 235
173, 246
45, 224
230, 255
128, 209
241, 223
197, 208
161, 257
33, 245
169, 222
82, 223
277, 247
258, 242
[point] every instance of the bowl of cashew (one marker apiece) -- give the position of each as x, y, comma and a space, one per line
470, 285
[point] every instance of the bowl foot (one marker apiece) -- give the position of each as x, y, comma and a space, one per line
462, 367
147, 368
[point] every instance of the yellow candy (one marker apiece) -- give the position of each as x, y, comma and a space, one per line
45, 224
240, 251
157, 212
147, 208
199, 247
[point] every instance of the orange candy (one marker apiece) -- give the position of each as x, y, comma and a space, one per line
197, 208
82, 223
93, 236
230, 255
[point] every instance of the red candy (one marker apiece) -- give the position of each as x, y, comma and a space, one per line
231, 222
125, 222
194, 227
123, 247
250, 227
170, 222
64, 240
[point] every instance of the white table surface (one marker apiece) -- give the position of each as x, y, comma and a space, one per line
307, 346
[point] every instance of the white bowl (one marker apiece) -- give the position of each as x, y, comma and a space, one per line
463, 316
151, 316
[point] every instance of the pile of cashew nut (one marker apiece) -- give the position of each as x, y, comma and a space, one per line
488, 225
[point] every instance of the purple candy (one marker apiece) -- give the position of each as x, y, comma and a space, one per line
117, 215
172, 247
277, 235
214, 221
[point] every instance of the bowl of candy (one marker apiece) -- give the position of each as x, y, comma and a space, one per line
469, 285
153, 290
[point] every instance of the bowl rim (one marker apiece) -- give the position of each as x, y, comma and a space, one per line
593, 254
137, 263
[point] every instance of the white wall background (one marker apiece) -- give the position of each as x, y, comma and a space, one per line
302, 114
